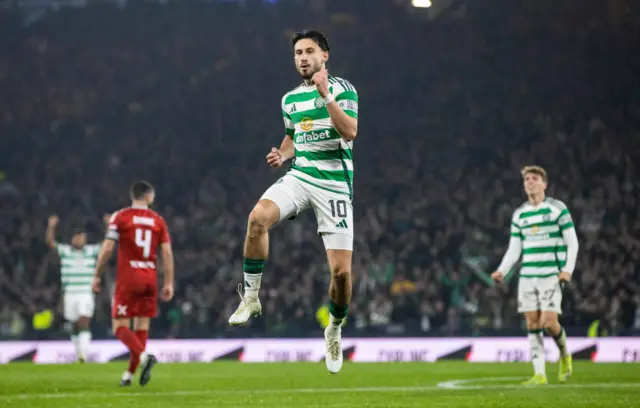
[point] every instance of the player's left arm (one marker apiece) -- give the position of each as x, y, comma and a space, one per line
106, 250
52, 223
342, 107
565, 222
276, 157
166, 254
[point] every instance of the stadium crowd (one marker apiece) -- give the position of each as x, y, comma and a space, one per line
187, 96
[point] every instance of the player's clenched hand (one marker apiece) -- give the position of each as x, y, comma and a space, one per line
95, 285
497, 276
321, 80
167, 292
53, 220
564, 277
274, 158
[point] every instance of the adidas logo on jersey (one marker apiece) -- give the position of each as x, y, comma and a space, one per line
342, 224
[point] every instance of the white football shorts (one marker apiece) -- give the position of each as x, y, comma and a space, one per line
539, 294
333, 211
77, 305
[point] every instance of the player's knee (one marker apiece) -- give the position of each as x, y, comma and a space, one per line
83, 323
341, 273
533, 324
115, 325
259, 221
545, 324
548, 322
141, 323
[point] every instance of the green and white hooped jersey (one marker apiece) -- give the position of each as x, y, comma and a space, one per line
322, 157
544, 251
77, 268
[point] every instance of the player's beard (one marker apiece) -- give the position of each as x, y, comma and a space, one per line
313, 68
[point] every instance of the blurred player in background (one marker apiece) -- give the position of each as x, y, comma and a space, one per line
542, 231
77, 263
321, 123
140, 232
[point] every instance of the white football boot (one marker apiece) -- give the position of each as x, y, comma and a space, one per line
248, 308
333, 345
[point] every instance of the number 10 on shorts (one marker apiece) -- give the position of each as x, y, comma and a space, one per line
338, 207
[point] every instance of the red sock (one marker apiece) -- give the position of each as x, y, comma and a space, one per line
142, 335
126, 336
134, 360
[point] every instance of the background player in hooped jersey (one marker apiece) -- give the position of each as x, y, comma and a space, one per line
77, 262
140, 232
542, 231
320, 117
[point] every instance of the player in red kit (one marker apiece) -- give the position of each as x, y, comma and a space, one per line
140, 232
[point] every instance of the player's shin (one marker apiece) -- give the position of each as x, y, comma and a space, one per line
134, 361
565, 366
536, 343
252, 269
256, 250
76, 341
143, 336
256, 247
83, 337
129, 339
339, 296
84, 342
337, 314
560, 338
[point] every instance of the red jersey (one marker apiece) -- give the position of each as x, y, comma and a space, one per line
140, 232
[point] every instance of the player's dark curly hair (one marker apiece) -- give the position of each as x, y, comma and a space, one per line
317, 37
140, 188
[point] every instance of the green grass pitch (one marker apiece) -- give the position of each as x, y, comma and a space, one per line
232, 384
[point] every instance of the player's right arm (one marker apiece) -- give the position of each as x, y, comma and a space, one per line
52, 223
277, 157
514, 250
166, 253
106, 251
103, 258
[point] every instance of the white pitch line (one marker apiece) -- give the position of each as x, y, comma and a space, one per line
463, 384
218, 392
458, 386
467, 384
